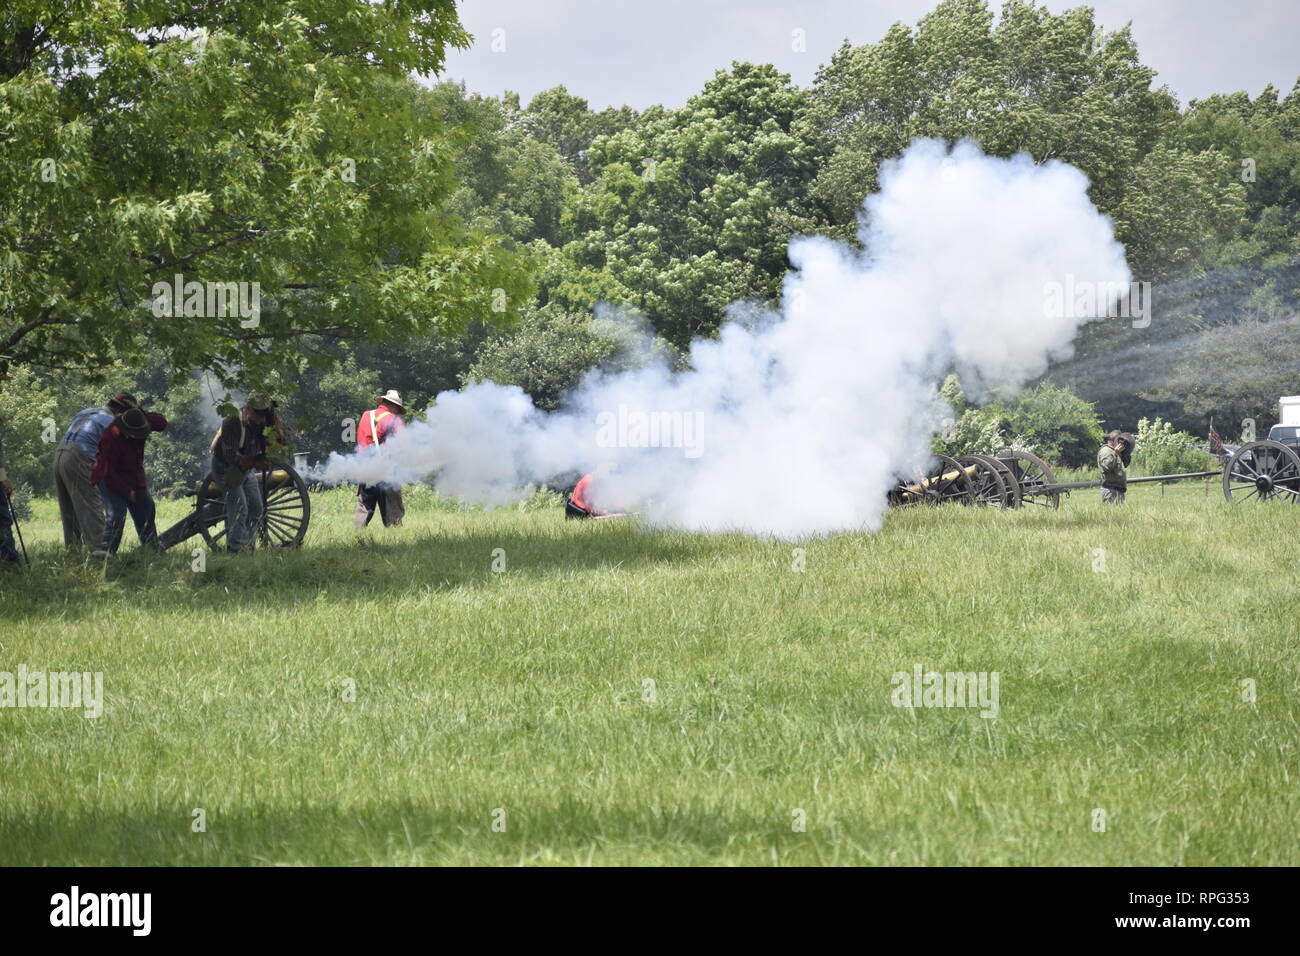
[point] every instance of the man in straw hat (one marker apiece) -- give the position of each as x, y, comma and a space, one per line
81, 507
378, 425
239, 450
119, 473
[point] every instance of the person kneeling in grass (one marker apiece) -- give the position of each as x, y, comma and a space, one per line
582, 502
119, 473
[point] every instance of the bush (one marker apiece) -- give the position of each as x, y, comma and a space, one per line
550, 352
1050, 421
977, 432
1163, 451
1059, 424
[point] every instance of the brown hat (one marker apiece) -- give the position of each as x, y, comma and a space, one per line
122, 401
134, 423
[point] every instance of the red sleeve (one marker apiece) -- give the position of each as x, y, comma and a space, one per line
156, 421
363, 431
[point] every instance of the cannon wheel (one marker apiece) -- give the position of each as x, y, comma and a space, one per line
1010, 480
286, 511
1032, 473
1262, 471
988, 487
938, 490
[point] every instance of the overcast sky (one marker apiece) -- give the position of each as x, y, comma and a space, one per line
642, 52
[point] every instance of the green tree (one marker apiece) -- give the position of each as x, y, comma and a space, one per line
692, 209
1051, 85
268, 142
512, 183
551, 350
1060, 425
568, 124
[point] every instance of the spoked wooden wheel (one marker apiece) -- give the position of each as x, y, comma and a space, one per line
943, 482
1009, 481
1033, 475
987, 486
1262, 471
286, 509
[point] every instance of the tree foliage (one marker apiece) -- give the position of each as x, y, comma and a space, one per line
267, 142
692, 209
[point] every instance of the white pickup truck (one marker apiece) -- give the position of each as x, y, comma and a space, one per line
1287, 429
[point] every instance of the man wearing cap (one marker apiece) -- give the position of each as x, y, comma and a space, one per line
81, 508
119, 473
1110, 461
377, 426
239, 449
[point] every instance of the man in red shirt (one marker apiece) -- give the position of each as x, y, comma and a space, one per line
581, 503
378, 425
119, 473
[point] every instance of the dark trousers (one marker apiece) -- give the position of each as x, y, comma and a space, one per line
388, 500
7, 550
142, 513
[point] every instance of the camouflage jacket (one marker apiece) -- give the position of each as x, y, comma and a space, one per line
1112, 469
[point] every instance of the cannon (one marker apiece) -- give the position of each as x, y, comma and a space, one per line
1009, 479
286, 511
1261, 471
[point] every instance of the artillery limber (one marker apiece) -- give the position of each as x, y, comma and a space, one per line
286, 511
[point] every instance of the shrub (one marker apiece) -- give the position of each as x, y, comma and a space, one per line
551, 350
1163, 451
1059, 424
977, 431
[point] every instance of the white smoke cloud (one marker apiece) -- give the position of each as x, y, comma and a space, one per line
806, 415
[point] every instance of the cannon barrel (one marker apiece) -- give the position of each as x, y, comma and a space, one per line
210, 488
919, 488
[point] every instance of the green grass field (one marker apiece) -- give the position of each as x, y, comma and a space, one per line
526, 691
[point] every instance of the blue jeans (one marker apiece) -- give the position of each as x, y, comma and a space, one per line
243, 511
115, 511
